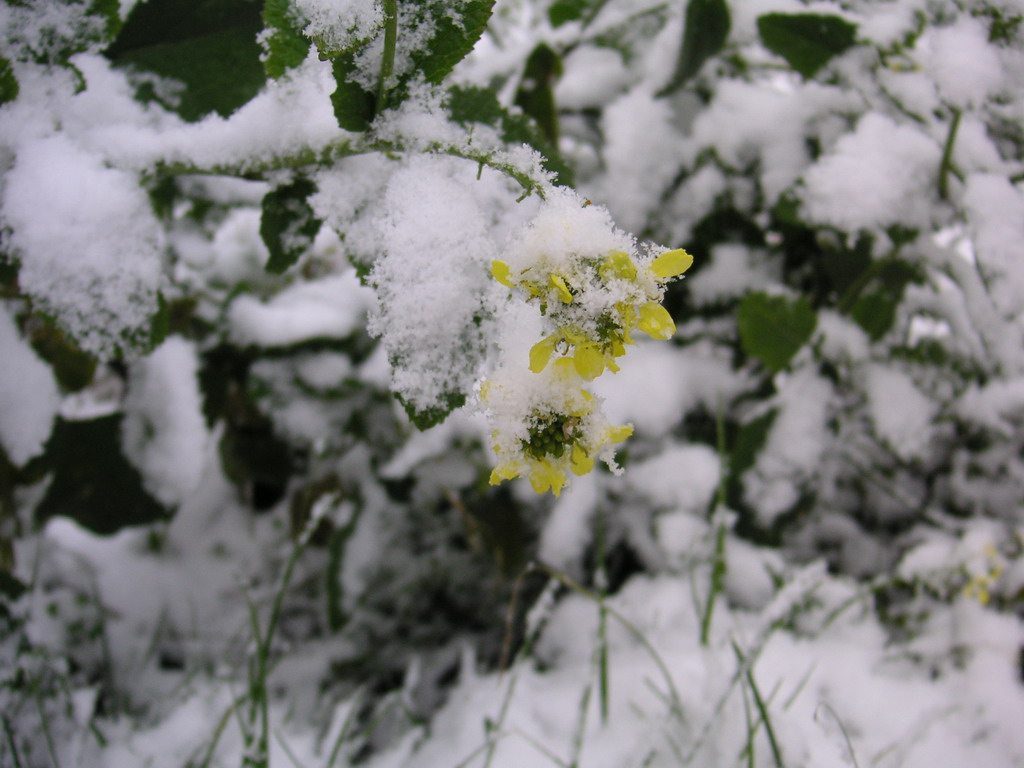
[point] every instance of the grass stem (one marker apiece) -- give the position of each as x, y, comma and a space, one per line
946, 166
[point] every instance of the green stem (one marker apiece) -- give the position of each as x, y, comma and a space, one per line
387, 62
306, 156
342, 148
849, 298
947, 154
762, 708
718, 564
673, 692
602, 618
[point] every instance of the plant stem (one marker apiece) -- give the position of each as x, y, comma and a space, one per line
387, 62
348, 147
676, 699
602, 614
718, 564
306, 156
762, 708
947, 154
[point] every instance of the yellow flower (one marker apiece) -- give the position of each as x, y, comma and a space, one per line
671, 264
541, 352
504, 471
561, 288
580, 462
617, 264
589, 360
545, 475
617, 434
655, 321
501, 272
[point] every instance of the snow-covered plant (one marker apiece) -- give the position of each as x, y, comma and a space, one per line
369, 272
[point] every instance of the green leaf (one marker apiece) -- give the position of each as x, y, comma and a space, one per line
446, 34
283, 40
354, 107
456, 31
750, 439
110, 12
704, 35
93, 483
875, 308
160, 325
470, 104
563, 11
8, 82
288, 224
72, 367
806, 40
209, 46
255, 459
431, 417
536, 93
773, 328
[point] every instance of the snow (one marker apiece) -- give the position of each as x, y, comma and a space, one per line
163, 432
862, 574
433, 269
640, 152
332, 307
764, 120
340, 23
680, 477
95, 260
733, 271
967, 70
592, 76
901, 413
997, 214
796, 444
567, 532
877, 176
29, 399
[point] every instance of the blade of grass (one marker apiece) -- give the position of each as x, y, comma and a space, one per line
761, 708
602, 618
357, 700
45, 722
677, 702
494, 729
800, 686
540, 748
287, 750
748, 750
718, 520
9, 732
581, 726
842, 728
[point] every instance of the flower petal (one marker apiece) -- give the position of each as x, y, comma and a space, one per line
581, 463
655, 321
501, 272
503, 472
563, 289
617, 264
589, 361
541, 352
671, 264
618, 434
